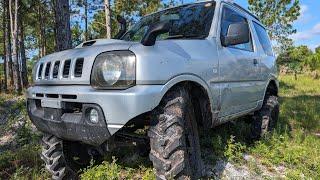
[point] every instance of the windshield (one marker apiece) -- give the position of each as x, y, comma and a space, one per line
191, 21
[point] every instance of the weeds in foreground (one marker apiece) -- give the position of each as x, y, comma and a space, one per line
234, 150
113, 171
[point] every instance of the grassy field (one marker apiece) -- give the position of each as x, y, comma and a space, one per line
291, 152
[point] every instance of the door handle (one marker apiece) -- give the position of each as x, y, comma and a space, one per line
255, 61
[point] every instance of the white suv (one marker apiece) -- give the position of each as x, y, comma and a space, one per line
177, 72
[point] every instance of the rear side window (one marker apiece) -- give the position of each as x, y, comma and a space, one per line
264, 39
228, 17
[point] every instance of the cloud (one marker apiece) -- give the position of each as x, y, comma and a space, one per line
307, 35
314, 46
303, 8
305, 16
299, 36
316, 29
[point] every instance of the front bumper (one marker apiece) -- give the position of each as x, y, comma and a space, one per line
117, 107
69, 126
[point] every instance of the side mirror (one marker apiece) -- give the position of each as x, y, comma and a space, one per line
123, 27
238, 33
154, 31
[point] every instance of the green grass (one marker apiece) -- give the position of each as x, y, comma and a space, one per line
294, 145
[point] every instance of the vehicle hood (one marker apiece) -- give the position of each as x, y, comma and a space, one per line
100, 45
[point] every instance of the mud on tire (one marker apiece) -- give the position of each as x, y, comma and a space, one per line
53, 156
64, 159
175, 149
265, 120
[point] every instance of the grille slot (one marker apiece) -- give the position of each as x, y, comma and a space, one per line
78, 67
66, 68
56, 69
39, 95
55, 96
67, 96
40, 71
47, 72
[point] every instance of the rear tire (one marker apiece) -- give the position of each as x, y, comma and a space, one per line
265, 120
175, 148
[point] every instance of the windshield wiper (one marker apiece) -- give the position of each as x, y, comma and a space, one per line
183, 36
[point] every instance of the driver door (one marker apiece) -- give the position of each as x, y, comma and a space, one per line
239, 68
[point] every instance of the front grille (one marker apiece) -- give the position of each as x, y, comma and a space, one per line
58, 69
47, 72
66, 68
78, 68
40, 71
55, 96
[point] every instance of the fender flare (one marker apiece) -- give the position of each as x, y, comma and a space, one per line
272, 78
187, 77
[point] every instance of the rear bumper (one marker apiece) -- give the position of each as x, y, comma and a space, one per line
116, 106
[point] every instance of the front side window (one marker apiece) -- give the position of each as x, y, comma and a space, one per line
263, 38
230, 16
188, 22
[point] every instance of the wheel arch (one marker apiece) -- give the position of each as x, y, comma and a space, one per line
272, 88
193, 82
198, 89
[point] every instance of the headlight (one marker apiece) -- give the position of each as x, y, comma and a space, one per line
115, 69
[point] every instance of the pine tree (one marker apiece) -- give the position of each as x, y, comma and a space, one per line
278, 17
62, 25
13, 10
108, 18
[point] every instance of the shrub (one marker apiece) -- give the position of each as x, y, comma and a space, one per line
234, 150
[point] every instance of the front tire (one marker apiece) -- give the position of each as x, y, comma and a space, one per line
54, 158
64, 159
265, 120
175, 148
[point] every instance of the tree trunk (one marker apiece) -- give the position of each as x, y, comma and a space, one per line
108, 18
9, 50
42, 34
86, 19
24, 69
62, 25
14, 34
4, 25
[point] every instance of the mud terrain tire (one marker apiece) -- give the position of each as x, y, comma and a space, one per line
64, 158
265, 120
53, 156
174, 141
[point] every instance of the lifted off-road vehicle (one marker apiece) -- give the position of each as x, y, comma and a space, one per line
174, 73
